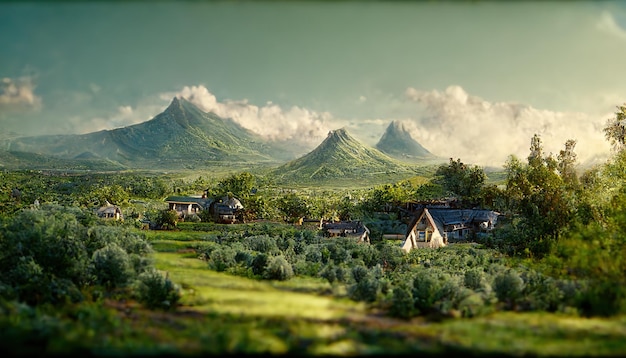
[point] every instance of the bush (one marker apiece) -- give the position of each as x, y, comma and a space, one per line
508, 288
402, 302
222, 259
111, 266
259, 264
279, 269
473, 279
156, 291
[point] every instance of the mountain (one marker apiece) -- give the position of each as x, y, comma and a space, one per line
340, 156
23, 160
181, 136
398, 143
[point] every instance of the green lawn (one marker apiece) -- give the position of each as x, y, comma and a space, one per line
339, 326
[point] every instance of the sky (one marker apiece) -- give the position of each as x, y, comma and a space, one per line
472, 80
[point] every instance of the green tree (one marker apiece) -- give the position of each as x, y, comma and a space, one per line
615, 128
293, 207
461, 180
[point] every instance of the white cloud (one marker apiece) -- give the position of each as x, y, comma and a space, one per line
608, 24
296, 124
124, 116
18, 94
458, 125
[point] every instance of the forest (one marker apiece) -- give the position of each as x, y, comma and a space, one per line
549, 280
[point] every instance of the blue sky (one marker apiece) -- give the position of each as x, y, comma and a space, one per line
472, 80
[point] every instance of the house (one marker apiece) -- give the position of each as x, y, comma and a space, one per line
435, 227
355, 229
188, 205
110, 211
226, 210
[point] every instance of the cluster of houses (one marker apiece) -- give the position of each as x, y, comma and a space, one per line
430, 225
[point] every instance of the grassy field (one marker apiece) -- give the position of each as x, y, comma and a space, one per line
309, 316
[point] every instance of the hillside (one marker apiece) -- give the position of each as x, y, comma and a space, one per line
182, 136
340, 156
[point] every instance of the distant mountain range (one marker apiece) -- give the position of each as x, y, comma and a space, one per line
184, 136
340, 156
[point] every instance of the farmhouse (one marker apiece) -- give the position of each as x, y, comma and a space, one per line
435, 227
188, 205
355, 229
110, 211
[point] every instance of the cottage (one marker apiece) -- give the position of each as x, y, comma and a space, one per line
110, 211
188, 205
226, 211
355, 229
435, 227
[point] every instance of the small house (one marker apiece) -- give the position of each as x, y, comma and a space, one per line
355, 229
188, 205
436, 227
110, 211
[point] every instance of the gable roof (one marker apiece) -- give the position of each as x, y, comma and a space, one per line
441, 217
177, 199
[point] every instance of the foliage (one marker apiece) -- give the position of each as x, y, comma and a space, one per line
157, 291
111, 266
461, 180
278, 269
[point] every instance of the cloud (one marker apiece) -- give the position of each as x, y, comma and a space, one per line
456, 124
294, 124
608, 24
18, 94
123, 116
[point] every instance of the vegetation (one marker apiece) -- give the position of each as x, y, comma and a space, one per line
555, 265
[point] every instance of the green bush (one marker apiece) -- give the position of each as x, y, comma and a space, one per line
222, 259
278, 269
473, 279
111, 266
508, 287
156, 291
259, 264
402, 302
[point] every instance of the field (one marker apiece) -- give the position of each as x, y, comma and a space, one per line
302, 316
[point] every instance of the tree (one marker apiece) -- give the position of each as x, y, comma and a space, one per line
615, 129
539, 195
293, 207
240, 185
462, 180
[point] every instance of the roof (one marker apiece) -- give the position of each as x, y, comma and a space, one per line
346, 225
189, 200
108, 208
442, 217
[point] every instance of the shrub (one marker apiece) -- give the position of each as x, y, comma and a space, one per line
111, 266
541, 293
259, 264
156, 291
508, 288
402, 302
222, 259
279, 269
473, 279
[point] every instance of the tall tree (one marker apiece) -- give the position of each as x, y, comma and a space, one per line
615, 129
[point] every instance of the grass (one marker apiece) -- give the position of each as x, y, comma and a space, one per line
210, 291
295, 311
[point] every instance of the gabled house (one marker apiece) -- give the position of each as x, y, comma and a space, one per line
227, 209
355, 229
188, 205
436, 227
109, 211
